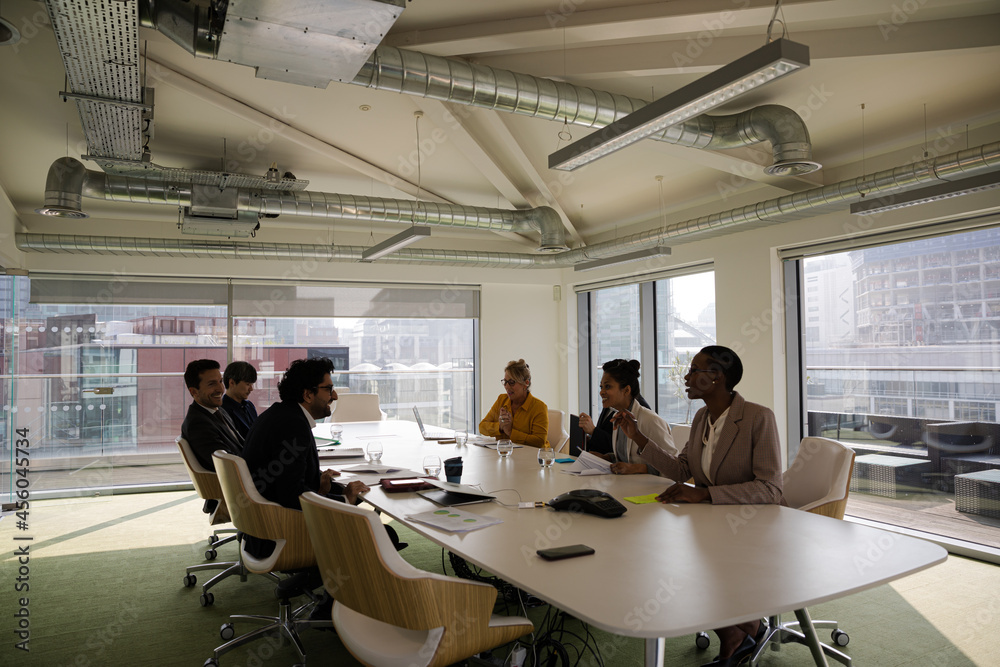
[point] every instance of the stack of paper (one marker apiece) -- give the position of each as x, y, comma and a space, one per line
454, 520
588, 464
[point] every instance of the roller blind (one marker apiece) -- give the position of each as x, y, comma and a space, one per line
125, 290
352, 300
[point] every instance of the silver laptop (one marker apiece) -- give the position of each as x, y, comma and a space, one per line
431, 432
448, 494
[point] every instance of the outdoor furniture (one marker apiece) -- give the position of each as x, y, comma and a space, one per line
882, 475
978, 493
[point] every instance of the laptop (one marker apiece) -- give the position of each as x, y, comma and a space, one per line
448, 494
575, 435
431, 432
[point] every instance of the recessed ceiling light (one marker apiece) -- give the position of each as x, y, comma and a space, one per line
365, 107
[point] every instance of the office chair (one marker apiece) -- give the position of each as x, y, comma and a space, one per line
818, 481
680, 434
254, 515
206, 483
386, 611
357, 408
557, 435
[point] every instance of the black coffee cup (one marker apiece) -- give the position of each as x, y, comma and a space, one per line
453, 469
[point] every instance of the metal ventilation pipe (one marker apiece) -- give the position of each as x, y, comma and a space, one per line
971, 162
68, 180
462, 82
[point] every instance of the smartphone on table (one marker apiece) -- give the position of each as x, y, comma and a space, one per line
558, 553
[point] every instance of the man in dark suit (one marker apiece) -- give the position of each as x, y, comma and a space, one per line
239, 379
281, 451
206, 427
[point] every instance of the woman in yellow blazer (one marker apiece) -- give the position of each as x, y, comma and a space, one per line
732, 453
517, 414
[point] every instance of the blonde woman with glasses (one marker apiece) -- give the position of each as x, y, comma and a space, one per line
516, 414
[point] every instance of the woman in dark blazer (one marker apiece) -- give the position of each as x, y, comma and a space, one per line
732, 453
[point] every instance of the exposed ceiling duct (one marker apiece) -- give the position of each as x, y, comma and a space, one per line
954, 166
68, 180
462, 82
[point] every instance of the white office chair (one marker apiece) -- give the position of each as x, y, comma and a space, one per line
557, 435
357, 408
818, 481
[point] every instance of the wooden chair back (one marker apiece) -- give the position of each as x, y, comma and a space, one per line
362, 571
255, 515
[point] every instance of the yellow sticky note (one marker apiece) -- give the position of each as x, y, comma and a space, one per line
642, 500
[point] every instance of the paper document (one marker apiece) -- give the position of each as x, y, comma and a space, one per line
454, 520
588, 464
481, 440
373, 468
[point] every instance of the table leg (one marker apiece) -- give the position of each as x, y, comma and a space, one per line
812, 639
654, 652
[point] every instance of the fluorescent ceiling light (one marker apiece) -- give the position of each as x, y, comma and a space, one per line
400, 240
768, 63
648, 253
931, 193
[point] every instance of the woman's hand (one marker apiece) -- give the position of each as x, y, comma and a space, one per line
626, 422
506, 425
586, 424
682, 493
628, 468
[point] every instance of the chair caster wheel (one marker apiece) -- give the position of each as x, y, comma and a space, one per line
207, 599
190, 580
702, 640
212, 539
211, 554
211, 662
840, 638
227, 632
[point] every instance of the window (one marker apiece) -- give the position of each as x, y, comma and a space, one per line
93, 368
909, 372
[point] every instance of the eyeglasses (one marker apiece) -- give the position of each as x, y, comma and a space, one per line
508, 383
328, 387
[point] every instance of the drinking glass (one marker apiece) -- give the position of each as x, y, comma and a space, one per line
336, 433
504, 448
546, 457
461, 437
432, 466
374, 451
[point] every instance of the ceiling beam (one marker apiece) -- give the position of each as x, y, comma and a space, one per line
569, 23
678, 57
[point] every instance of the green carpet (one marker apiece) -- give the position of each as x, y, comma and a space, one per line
105, 589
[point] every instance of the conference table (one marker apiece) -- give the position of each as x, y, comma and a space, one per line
659, 570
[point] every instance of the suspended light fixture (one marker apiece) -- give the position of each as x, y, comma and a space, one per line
946, 190
392, 244
769, 63
638, 255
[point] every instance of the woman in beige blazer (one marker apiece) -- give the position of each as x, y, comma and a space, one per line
732, 453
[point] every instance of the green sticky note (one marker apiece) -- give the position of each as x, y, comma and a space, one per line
642, 500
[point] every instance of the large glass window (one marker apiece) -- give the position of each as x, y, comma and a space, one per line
92, 368
903, 366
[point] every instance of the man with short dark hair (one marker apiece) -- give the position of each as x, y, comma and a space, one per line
206, 427
239, 379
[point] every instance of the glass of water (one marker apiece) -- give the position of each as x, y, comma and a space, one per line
374, 451
432, 466
546, 457
504, 448
461, 437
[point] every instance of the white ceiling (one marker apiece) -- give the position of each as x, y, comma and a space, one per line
920, 68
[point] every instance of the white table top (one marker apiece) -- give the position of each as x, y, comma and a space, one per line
659, 570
